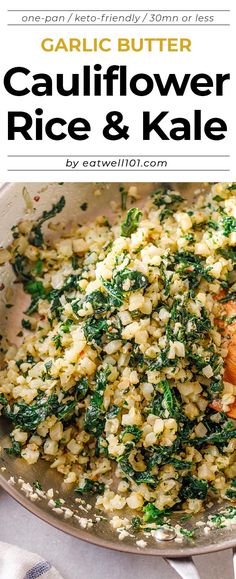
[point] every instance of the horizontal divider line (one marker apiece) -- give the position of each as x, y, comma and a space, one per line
113, 24
105, 169
107, 10
116, 156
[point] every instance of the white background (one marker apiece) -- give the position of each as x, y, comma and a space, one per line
212, 52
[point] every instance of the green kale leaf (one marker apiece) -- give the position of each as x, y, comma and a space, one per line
229, 225
15, 449
81, 388
154, 515
168, 201
117, 286
134, 431
37, 291
193, 488
130, 224
21, 267
136, 279
94, 329
95, 415
91, 487
99, 301
29, 416
36, 236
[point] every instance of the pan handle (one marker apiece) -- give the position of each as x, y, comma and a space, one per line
218, 565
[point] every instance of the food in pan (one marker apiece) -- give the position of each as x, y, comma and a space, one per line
125, 376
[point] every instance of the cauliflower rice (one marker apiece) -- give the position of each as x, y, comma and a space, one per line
122, 353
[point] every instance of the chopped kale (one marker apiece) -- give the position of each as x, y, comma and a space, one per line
37, 485
162, 360
231, 492
21, 268
138, 477
179, 464
127, 280
189, 266
15, 449
48, 365
114, 293
66, 326
165, 213
29, 416
228, 253
187, 533
212, 225
136, 279
185, 518
36, 289
159, 455
91, 487
112, 411
65, 411
191, 327
3, 399
154, 515
99, 301
36, 236
81, 388
220, 438
230, 320
189, 237
218, 198
26, 324
166, 277
136, 357
168, 398
70, 283
130, 224
75, 262
193, 488
56, 306
134, 431
38, 267
229, 225
57, 341
166, 197
95, 416
228, 297
125, 465
136, 523
216, 387
58, 503
168, 201
94, 329
156, 406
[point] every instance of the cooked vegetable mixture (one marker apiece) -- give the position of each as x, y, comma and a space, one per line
121, 381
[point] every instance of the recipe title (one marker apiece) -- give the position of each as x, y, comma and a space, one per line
115, 80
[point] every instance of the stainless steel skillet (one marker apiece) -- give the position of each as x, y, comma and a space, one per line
16, 477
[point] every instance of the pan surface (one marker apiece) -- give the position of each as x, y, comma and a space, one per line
16, 476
